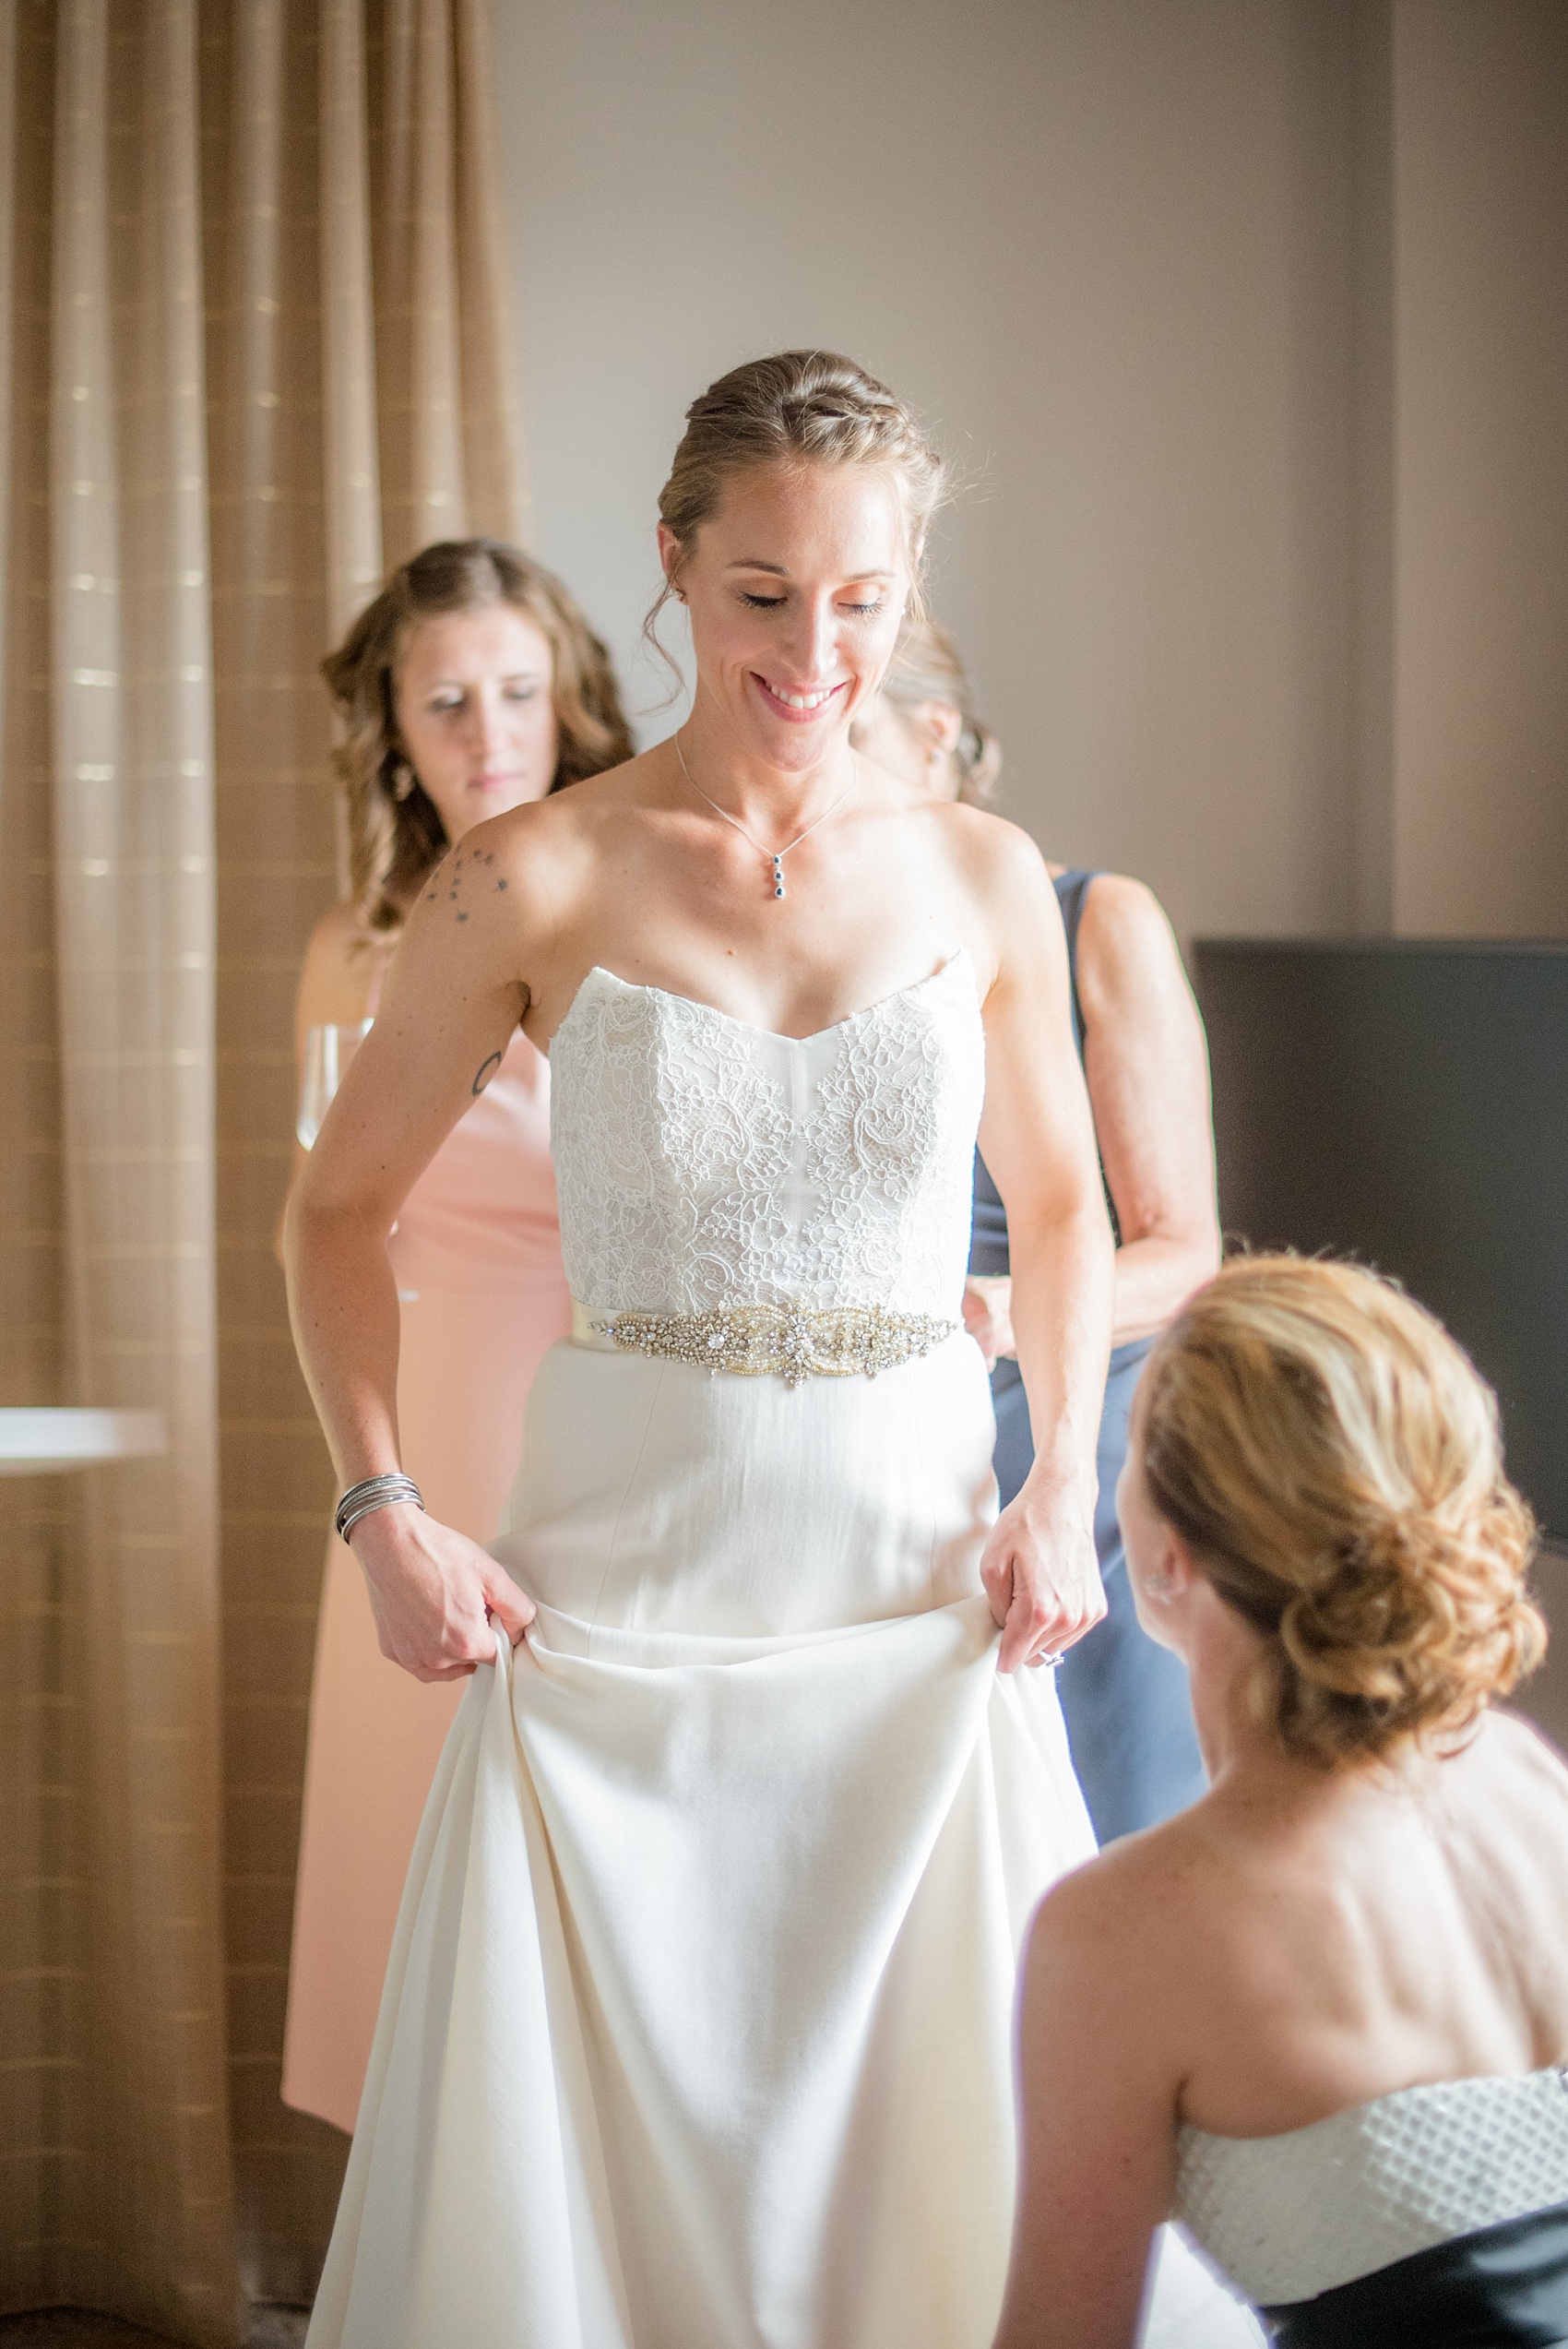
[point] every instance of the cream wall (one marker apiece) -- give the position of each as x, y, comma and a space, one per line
1103, 249
1248, 320
1480, 294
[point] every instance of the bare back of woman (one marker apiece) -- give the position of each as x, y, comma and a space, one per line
1357, 1937
1350, 1958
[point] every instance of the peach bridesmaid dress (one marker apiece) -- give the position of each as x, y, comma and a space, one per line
477, 1254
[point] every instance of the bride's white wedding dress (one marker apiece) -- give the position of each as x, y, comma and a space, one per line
696, 2029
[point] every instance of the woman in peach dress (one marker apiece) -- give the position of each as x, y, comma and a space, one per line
470, 684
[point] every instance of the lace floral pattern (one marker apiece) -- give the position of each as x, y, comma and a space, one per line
702, 1162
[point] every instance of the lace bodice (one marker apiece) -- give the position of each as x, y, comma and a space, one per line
1288, 2217
700, 1162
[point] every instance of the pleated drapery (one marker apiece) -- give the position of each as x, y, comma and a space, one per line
253, 343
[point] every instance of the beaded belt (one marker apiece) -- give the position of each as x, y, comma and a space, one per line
792, 1342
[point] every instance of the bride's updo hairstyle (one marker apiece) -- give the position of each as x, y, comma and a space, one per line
798, 408
1332, 1460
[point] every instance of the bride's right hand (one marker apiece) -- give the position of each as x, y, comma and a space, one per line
432, 1592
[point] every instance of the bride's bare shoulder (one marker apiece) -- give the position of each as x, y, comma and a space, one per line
533, 851
582, 806
642, 781
992, 853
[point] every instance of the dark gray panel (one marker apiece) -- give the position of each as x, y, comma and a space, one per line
1407, 1103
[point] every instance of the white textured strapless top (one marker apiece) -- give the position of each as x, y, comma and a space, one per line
700, 1162
1288, 2217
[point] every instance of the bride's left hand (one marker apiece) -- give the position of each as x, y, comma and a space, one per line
1041, 1574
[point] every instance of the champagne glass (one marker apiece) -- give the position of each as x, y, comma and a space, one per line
328, 1053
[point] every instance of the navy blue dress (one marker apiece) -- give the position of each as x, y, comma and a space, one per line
1129, 1715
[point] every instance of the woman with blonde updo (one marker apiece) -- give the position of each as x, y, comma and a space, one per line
1323, 2016
696, 2028
471, 684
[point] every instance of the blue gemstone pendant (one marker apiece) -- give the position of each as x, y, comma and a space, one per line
778, 876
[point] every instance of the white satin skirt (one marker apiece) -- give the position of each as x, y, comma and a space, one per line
696, 2029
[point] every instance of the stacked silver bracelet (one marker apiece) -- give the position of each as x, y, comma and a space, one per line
376, 1492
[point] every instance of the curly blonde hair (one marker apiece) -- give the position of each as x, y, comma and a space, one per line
795, 407
1332, 1458
396, 835
928, 666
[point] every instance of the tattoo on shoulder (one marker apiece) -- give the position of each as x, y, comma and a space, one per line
486, 1070
478, 872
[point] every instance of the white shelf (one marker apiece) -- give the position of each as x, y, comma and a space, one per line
44, 1441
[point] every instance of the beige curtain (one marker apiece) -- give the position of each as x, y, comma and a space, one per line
254, 340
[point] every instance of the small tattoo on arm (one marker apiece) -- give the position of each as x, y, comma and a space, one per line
453, 876
487, 1070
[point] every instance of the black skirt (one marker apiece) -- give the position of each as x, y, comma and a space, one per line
1503, 2287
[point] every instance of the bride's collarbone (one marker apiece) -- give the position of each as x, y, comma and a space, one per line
791, 982
845, 937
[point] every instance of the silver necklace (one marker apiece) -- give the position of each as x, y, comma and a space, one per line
775, 855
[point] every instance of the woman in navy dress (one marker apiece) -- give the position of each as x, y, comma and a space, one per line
1129, 1715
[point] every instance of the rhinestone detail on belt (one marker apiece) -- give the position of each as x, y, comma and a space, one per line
792, 1342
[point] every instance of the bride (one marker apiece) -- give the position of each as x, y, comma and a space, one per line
695, 2031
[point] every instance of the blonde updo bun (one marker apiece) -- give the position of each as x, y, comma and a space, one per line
1332, 1460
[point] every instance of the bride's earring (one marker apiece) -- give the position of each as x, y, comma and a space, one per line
403, 780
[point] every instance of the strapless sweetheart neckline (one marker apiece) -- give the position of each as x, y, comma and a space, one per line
960, 954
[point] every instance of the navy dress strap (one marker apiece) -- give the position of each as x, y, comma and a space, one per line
1072, 888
